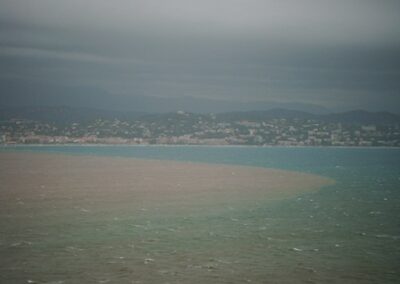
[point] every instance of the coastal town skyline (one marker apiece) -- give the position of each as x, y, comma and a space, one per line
276, 127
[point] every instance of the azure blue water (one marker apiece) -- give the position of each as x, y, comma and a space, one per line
345, 233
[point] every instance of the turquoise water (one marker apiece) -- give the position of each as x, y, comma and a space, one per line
345, 233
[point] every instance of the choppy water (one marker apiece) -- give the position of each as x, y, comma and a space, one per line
346, 233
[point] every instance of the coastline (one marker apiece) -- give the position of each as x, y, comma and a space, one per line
195, 145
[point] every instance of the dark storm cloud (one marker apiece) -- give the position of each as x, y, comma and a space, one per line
332, 53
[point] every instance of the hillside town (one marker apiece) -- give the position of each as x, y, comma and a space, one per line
183, 128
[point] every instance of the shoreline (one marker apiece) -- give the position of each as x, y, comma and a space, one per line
194, 145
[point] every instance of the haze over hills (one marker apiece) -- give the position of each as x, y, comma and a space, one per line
200, 57
16, 94
21, 94
349, 117
65, 115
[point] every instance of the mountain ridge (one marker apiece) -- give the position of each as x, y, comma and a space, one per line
67, 114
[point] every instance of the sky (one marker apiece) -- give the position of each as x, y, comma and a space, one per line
132, 54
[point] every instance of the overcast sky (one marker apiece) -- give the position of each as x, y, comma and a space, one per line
340, 54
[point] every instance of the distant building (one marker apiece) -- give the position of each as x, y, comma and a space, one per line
368, 128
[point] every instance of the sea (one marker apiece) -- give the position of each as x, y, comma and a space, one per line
348, 232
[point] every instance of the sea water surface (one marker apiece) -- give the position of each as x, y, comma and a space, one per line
345, 233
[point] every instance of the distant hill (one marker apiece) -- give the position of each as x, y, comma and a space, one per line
14, 93
362, 117
349, 117
63, 115
265, 115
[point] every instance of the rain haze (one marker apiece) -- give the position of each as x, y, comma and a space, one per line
203, 55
